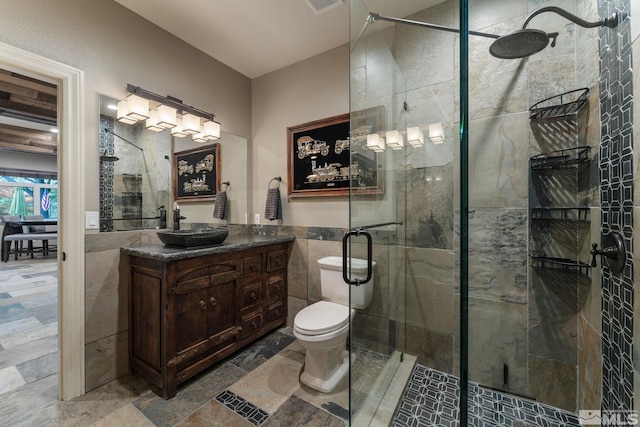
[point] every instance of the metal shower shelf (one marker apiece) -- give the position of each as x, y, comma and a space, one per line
564, 264
573, 214
562, 105
560, 158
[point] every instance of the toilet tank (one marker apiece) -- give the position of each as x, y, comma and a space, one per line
335, 289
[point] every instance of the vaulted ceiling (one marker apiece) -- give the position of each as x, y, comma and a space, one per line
28, 110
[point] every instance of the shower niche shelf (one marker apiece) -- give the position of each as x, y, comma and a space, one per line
565, 265
563, 105
560, 158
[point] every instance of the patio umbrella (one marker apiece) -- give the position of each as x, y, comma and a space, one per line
18, 204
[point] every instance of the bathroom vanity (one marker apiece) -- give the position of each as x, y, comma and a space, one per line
189, 308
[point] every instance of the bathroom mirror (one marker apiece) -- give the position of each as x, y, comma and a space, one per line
135, 175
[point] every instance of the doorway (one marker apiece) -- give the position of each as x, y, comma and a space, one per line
70, 227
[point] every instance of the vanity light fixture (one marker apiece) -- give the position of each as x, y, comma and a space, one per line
152, 122
167, 116
171, 114
211, 130
199, 137
436, 133
177, 130
123, 113
191, 124
415, 137
375, 142
395, 140
138, 107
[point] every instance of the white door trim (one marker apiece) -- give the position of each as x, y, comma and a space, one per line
71, 185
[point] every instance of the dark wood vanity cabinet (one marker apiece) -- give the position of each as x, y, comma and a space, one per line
185, 315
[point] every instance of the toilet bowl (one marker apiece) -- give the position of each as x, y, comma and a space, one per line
322, 328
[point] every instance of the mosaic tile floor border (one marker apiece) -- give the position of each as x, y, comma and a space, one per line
431, 398
240, 406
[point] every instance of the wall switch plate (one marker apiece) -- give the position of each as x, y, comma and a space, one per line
91, 221
257, 218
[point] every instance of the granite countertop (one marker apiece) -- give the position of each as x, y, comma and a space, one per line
232, 243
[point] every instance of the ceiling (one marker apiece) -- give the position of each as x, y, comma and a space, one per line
28, 112
256, 37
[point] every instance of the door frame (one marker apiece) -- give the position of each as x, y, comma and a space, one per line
71, 202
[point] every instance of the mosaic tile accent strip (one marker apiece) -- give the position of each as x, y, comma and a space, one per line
616, 196
106, 174
246, 410
432, 398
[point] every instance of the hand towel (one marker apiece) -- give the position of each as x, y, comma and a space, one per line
221, 207
273, 208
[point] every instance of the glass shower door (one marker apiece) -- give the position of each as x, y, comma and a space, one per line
377, 178
403, 91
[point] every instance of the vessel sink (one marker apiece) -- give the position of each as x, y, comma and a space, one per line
193, 238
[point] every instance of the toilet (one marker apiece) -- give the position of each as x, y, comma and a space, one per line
322, 328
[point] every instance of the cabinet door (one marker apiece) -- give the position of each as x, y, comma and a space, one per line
222, 317
222, 310
191, 318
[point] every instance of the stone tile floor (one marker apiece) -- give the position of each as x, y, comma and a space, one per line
258, 386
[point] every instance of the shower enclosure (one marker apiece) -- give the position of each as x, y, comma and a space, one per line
495, 177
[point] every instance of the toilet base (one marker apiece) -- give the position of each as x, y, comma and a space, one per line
327, 385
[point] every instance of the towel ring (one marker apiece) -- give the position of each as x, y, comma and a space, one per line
226, 185
277, 178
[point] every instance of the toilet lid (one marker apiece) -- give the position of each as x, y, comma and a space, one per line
322, 317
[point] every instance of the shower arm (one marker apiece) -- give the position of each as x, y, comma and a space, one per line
611, 21
377, 17
115, 134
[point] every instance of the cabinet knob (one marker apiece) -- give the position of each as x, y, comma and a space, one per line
212, 301
203, 305
277, 313
254, 296
254, 324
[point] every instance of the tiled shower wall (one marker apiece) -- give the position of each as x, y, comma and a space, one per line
616, 196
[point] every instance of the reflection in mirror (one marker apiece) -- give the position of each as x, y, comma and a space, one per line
135, 173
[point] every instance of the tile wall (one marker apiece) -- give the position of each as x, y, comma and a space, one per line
616, 196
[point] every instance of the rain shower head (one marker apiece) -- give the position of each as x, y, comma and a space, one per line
526, 42
521, 43
107, 158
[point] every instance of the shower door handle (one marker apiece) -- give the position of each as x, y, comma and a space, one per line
345, 244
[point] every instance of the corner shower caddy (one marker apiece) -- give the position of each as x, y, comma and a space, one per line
559, 106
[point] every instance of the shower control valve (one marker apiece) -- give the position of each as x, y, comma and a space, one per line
610, 252
614, 252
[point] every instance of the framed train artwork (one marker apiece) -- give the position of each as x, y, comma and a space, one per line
326, 157
196, 173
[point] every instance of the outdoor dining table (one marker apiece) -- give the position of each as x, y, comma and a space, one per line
16, 227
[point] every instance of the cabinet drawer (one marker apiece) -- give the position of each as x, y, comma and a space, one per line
251, 324
276, 260
275, 286
252, 265
251, 294
275, 312
189, 354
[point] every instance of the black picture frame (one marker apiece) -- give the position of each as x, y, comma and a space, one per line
327, 157
196, 173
